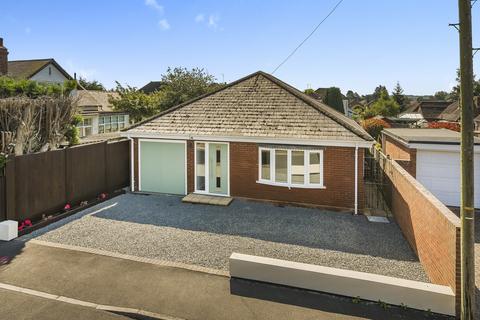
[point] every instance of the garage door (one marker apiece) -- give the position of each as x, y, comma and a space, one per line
439, 172
162, 166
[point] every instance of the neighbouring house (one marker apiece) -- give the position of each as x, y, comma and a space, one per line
432, 156
452, 113
396, 122
320, 95
41, 70
258, 138
151, 87
425, 111
98, 114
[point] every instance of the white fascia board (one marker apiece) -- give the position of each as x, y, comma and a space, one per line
309, 142
439, 147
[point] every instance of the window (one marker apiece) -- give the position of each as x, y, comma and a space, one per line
298, 167
281, 164
265, 165
111, 123
218, 169
85, 127
291, 167
314, 167
200, 169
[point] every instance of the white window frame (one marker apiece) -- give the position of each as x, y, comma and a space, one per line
124, 122
81, 127
289, 184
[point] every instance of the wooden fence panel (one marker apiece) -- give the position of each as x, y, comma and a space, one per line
42, 183
3, 207
118, 165
86, 172
39, 183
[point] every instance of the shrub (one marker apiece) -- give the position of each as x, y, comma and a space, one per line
374, 126
444, 125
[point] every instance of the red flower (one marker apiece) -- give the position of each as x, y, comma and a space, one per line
28, 223
20, 227
102, 196
67, 207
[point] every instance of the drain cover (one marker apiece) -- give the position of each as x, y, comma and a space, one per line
378, 219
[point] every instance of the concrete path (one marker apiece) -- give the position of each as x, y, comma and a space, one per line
177, 292
16, 305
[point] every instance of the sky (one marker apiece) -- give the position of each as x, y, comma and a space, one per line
363, 44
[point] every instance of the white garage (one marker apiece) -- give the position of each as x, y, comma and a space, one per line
436, 153
439, 172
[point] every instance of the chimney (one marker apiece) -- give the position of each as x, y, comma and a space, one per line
3, 59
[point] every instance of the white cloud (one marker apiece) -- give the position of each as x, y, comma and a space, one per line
210, 20
154, 5
28, 30
200, 17
213, 21
163, 24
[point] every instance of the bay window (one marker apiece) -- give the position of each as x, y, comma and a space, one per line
291, 167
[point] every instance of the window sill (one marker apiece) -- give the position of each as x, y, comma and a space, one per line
291, 186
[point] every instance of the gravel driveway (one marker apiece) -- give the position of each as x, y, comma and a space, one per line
162, 227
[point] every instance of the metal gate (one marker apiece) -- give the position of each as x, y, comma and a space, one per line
377, 187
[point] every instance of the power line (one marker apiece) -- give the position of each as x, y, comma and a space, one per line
308, 37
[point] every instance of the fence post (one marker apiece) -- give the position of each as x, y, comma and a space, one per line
10, 198
68, 174
107, 185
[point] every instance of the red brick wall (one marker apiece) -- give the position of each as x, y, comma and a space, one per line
432, 230
339, 178
405, 156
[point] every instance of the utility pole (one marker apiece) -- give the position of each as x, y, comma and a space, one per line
467, 211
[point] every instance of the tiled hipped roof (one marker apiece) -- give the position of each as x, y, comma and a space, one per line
258, 105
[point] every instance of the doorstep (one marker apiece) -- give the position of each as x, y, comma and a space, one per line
207, 199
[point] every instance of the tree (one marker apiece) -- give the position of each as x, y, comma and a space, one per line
90, 85
333, 98
441, 95
352, 96
399, 97
309, 91
384, 106
137, 104
38, 124
181, 85
455, 93
379, 90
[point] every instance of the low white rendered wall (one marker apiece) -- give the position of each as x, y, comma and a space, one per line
367, 286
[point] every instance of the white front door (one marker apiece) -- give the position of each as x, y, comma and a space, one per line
212, 168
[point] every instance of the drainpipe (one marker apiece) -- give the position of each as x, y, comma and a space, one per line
356, 179
132, 165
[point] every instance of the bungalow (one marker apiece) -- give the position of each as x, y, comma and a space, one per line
258, 138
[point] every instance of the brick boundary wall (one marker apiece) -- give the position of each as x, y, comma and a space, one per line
432, 230
405, 156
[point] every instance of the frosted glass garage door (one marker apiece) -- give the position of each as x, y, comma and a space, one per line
162, 167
